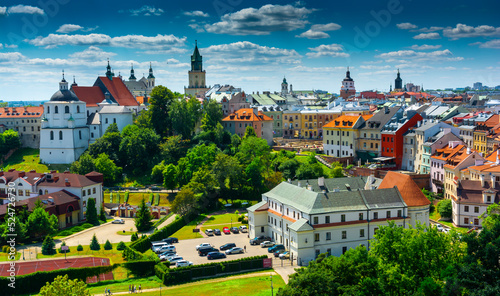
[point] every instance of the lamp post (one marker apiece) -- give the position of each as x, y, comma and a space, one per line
231, 222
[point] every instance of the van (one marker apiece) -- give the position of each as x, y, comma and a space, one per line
165, 248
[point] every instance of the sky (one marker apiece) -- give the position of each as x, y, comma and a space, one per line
249, 44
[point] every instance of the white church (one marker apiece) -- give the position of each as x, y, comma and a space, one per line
66, 129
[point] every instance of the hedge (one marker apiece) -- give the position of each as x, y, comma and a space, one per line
33, 282
180, 275
141, 268
162, 220
150, 199
157, 199
130, 254
126, 196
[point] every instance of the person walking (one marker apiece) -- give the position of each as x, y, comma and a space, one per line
129, 288
245, 248
105, 291
109, 291
140, 288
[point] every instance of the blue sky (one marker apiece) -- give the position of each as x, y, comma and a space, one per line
249, 44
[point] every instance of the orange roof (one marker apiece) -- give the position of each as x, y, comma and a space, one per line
21, 112
492, 156
344, 121
140, 99
118, 90
447, 152
367, 116
91, 95
411, 193
487, 167
247, 114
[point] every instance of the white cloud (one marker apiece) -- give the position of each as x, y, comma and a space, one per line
489, 44
197, 28
427, 30
145, 10
269, 18
128, 41
427, 36
318, 31
92, 53
439, 55
464, 31
21, 9
68, 28
327, 50
425, 47
406, 26
1, 45
198, 13
244, 52
11, 56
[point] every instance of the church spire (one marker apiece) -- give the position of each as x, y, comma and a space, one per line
63, 85
150, 72
196, 59
109, 74
132, 73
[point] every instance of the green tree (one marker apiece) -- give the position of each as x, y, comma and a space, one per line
143, 217
444, 208
157, 172
64, 286
9, 140
338, 172
196, 158
139, 149
102, 214
170, 177
48, 246
143, 120
106, 166
289, 168
10, 227
94, 244
121, 246
254, 148
173, 149
108, 245
40, 223
109, 144
226, 170
84, 165
212, 114
92, 212
491, 216
184, 203
310, 171
160, 104
79, 248
134, 237
185, 114
249, 132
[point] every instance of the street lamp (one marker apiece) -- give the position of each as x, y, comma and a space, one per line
231, 222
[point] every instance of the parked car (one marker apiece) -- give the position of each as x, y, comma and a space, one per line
118, 221
182, 263
174, 260
215, 255
243, 228
205, 251
171, 240
203, 245
279, 252
167, 256
439, 227
235, 250
234, 230
227, 246
266, 244
226, 230
217, 231
275, 248
157, 246
209, 232
285, 255
166, 253
165, 248
259, 239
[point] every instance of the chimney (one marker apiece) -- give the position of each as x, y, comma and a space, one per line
468, 150
298, 184
32, 171
66, 182
255, 111
56, 178
483, 182
321, 181
289, 181
21, 174
66, 171
53, 171
309, 187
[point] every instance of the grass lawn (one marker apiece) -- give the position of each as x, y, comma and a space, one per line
136, 197
5, 256
27, 159
122, 285
435, 216
186, 232
222, 219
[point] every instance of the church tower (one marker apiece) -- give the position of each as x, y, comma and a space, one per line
151, 78
197, 84
109, 74
398, 83
284, 87
132, 74
347, 88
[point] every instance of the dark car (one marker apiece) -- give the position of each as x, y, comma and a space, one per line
205, 251
171, 240
259, 239
227, 246
215, 255
277, 253
235, 230
276, 248
217, 231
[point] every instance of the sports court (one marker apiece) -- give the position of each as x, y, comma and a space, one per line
25, 267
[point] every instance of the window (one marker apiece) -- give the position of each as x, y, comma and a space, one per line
77, 109
52, 135
476, 209
46, 191
60, 135
344, 234
317, 252
114, 120
488, 198
66, 109
328, 236
88, 191
315, 220
106, 120
344, 249
327, 219
80, 134
361, 233
316, 237
56, 109
375, 215
360, 216
20, 192
83, 192
262, 229
399, 213
329, 252
342, 218
48, 109
476, 221
94, 190
388, 214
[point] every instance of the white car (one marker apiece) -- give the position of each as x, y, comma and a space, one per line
439, 227
182, 263
174, 260
203, 245
166, 257
209, 232
118, 221
267, 244
243, 228
165, 248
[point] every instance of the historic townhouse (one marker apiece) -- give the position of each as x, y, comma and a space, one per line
292, 123
24, 120
437, 141
341, 135
453, 169
439, 159
237, 122
473, 199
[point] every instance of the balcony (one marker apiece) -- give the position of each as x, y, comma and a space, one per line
437, 182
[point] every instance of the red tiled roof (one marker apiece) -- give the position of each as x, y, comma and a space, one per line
21, 112
411, 193
344, 121
60, 200
59, 180
91, 95
119, 91
247, 114
29, 177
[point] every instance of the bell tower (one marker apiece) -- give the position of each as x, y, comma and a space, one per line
196, 75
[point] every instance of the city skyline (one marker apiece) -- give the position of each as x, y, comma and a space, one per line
249, 45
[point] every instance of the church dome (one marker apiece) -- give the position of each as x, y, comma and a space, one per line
64, 95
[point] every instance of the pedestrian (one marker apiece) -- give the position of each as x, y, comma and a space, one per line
245, 247
109, 291
105, 291
140, 288
129, 288
135, 289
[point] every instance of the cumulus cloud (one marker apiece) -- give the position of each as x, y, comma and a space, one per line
198, 13
68, 28
406, 26
489, 44
197, 28
145, 10
425, 47
438, 55
11, 56
92, 53
327, 50
20, 9
430, 29
318, 31
3, 10
129, 41
464, 31
244, 52
269, 18
427, 36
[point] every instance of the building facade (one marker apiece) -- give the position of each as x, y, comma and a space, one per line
197, 84
24, 120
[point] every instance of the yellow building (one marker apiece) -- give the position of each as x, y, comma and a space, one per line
456, 167
292, 124
309, 126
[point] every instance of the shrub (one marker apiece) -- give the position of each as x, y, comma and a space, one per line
65, 233
150, 199
134, 237
121, 246
118, 197
60, 249
48, 246
5, 249
444, 208
94, 244
77, 229
87, 225
349, 167
111, 197
108, 245
79, 248
157, 199
127, 193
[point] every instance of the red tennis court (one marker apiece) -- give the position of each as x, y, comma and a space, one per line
25, 267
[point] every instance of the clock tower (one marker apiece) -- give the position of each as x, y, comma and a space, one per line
197, 85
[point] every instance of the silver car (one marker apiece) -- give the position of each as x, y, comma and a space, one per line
235, 250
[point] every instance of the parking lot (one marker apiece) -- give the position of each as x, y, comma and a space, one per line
187, 248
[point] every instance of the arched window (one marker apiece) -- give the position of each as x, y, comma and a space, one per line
70, 209
40, 192
56, 110
60, 135
77, 109
52, 135
46, 191
66, 109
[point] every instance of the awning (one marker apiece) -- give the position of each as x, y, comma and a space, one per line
366, 155
383, 158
